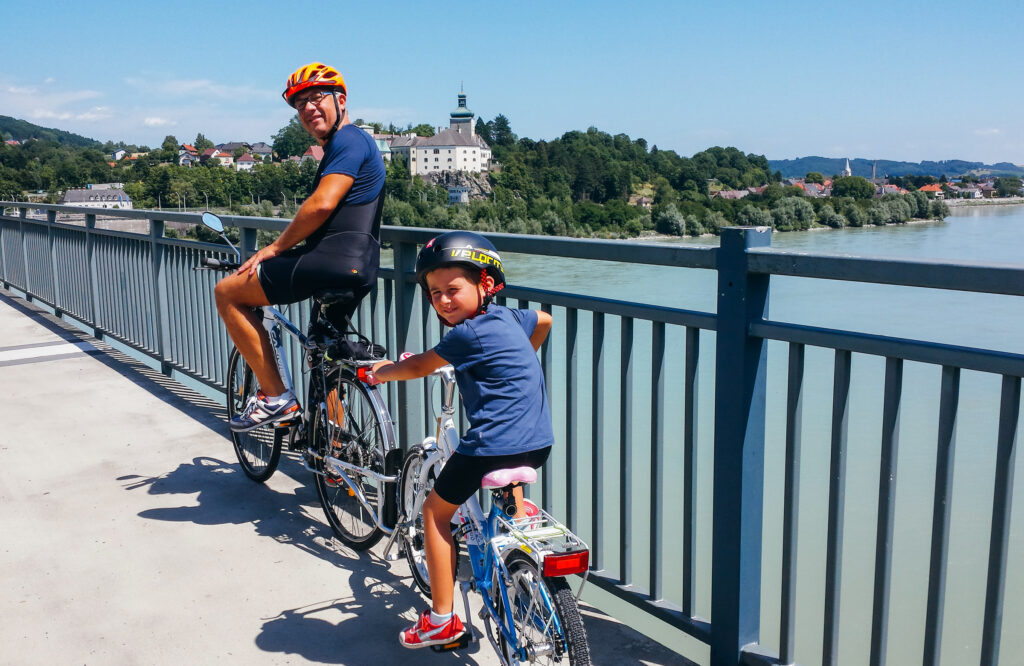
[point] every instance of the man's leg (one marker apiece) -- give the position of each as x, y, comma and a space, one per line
236, 295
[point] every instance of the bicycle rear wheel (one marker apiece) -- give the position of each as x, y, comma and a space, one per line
352, 430
258, 450
533, 598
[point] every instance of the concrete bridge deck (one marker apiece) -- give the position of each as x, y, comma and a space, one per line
129, 535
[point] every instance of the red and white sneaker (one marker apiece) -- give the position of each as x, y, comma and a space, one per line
424, 633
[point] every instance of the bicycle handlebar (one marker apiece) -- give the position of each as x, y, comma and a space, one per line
220, 264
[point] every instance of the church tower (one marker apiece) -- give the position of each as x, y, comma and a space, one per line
847, 171
463, 120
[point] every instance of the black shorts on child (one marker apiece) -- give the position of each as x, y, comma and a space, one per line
462, 474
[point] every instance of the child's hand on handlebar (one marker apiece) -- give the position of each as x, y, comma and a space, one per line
368, 375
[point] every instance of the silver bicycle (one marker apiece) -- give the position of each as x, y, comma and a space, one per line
344, 432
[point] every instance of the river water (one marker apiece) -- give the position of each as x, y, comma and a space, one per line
993, 234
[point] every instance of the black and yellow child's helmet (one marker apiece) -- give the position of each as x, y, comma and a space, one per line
463, 248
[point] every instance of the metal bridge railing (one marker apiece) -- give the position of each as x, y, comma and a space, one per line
608, 478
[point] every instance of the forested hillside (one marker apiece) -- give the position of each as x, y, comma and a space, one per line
584, 183
799, 167
13, 129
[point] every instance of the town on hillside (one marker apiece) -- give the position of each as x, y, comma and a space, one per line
455, 149
817, 186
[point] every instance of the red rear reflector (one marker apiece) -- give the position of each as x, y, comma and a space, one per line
567, 563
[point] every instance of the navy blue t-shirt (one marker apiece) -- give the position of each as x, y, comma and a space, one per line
501, 382
353, 152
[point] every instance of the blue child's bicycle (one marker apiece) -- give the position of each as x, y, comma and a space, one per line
530, 615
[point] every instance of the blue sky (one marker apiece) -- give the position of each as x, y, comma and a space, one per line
880, 80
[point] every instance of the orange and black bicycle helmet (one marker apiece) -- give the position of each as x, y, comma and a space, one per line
316, 75
313, 75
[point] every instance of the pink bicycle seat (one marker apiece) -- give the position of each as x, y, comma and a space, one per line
500, 478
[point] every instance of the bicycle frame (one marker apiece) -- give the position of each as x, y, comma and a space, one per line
273, 321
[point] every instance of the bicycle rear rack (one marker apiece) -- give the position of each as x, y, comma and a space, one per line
541, 535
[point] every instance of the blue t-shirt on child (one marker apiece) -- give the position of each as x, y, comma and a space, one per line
501, 383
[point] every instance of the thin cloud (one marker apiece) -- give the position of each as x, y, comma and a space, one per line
989, 131
155, 121
200, 88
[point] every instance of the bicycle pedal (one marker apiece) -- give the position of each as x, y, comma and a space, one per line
463, 641
286, 424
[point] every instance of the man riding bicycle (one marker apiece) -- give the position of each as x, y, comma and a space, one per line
340, 224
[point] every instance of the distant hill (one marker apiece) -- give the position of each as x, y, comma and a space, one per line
19, 130
828, 166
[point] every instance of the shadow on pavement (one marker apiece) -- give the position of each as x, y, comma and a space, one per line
323, 631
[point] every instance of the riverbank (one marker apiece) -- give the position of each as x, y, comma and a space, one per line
1010, 201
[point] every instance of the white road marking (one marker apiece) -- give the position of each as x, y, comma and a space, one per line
56, 349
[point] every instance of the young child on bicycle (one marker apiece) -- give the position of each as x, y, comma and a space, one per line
493, 350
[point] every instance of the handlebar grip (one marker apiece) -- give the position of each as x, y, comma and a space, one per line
365, 375
222, 264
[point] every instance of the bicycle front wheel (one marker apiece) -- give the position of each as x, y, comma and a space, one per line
533, 600
258, 450
411, 489
352, 430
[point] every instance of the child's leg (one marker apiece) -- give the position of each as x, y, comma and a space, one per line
440, 551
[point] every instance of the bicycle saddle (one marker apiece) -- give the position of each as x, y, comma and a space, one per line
332, 296
500, 478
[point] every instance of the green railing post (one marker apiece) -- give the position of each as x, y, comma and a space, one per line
739, 448
405, 338
248, 243
51, 218
161, 316
24, 253
94, 297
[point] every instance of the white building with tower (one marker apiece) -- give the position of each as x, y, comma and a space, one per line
457, 148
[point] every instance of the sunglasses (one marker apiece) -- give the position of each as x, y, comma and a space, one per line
314, 98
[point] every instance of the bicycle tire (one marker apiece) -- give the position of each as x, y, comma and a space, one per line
258, 450
358, 439
415, 553
524, 578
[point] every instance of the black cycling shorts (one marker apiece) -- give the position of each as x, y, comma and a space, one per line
462, 474
344, 253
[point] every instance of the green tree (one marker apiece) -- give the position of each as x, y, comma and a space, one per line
169, 148
852, 186
939, 209
501, 131
815, 177
855, 215
292, 139
670, 221
830, 218
423, 129
202, 143
754, 216
1008, 187
793, 214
